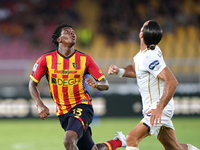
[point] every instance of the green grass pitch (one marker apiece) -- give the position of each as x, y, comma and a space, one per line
32, 134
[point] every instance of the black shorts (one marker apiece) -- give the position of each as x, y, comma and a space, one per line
78, 120
84, 113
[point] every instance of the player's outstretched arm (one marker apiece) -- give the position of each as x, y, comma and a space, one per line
100, 85
128, 71
43, 111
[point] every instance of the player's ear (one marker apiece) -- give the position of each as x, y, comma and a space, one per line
59, 40
141, 35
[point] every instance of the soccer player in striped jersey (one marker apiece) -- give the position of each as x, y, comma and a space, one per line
65, 68
157, 86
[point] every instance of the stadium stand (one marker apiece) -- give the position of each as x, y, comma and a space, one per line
115, 26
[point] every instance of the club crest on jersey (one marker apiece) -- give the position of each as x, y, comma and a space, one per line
154, 64
75, 65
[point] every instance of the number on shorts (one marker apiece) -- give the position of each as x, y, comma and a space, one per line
77, 112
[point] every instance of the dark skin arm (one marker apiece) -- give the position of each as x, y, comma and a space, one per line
43, 111
169, 89
101, 85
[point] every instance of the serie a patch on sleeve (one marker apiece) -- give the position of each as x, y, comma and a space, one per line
35, 67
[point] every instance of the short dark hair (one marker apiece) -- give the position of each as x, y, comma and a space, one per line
57, 33
152, 34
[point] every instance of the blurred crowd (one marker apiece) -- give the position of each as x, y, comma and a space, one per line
122, 19
28, 24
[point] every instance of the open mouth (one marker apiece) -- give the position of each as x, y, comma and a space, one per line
74, 37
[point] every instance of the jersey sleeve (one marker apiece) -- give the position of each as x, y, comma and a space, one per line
154, 64
93, 69
39, 69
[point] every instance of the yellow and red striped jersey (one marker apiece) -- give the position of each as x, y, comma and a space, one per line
65, 75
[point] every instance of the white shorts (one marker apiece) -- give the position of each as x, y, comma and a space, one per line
165, 121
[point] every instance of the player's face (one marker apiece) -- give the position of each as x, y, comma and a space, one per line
68, 36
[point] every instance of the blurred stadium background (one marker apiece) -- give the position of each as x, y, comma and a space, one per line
108, 31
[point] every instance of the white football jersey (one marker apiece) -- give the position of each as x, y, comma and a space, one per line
148, 64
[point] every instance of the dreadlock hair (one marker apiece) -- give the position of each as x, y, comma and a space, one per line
152, 34
57, 33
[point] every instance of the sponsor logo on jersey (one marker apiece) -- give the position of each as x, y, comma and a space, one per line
65, 71
57, 63
154, 64
65, 82
84, 100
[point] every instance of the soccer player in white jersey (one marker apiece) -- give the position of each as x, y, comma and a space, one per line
157, 86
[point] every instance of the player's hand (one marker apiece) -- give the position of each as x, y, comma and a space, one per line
91, 82
155, 116
43, 111
113, 70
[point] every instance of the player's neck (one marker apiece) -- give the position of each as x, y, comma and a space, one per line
142, 46
66, 50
